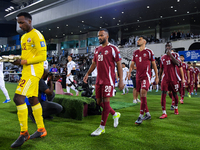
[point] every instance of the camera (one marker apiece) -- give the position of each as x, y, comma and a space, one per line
55, 76
81, 86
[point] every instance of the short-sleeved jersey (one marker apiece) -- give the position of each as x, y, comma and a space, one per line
143, 62
1, 70
196, 72
185, 69
169, 68
105, 58
32, 43
125, 70
70, 66
191, 72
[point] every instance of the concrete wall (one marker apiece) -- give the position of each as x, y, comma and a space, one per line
3, 41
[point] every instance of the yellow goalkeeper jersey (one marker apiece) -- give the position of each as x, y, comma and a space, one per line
34, 50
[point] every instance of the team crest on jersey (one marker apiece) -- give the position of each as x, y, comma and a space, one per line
106, 52
29, 40
144, 54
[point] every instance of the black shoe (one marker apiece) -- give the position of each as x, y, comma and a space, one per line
146, 117
24, 136
138, 121
41, 132
172, 107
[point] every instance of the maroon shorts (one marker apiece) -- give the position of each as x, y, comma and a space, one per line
103, 90
142, 84
170, 86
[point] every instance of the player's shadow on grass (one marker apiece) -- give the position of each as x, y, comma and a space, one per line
13, 111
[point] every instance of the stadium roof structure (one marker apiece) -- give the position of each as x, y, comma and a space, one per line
129, 16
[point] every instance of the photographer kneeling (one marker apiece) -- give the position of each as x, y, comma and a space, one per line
46, 96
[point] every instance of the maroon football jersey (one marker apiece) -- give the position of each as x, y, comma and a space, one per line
196, 72
170, 72
143, 62
191, 72
105, 58
185, 69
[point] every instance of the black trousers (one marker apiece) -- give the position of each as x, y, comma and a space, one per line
49, 108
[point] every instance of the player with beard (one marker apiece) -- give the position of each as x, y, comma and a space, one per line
196, 74
191, 79
105, 57
34, 53
170, 77
143, 57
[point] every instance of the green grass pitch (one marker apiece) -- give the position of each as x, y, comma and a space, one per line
178, 132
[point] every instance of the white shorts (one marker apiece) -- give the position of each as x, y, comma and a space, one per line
2, 82
67, 79
153, 79
125, 81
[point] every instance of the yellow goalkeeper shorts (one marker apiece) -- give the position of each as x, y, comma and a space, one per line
28, 86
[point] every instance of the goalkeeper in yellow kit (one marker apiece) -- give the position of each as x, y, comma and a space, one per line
34, 53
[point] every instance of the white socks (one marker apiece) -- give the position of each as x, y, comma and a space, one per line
125, 87
68, 89
151, 87
102, 127
140, 116
157, 87
148, 113
164, 112
73, 88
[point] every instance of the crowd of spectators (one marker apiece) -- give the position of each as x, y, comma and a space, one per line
83, 62
178, 35
132, 41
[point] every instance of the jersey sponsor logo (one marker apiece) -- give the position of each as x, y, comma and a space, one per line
96, 52
106, 52
136, 56
24, 46
42, 44
19, 89
108, 94
29, 40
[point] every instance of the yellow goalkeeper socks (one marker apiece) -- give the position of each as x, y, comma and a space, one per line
37, 113
22, 113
